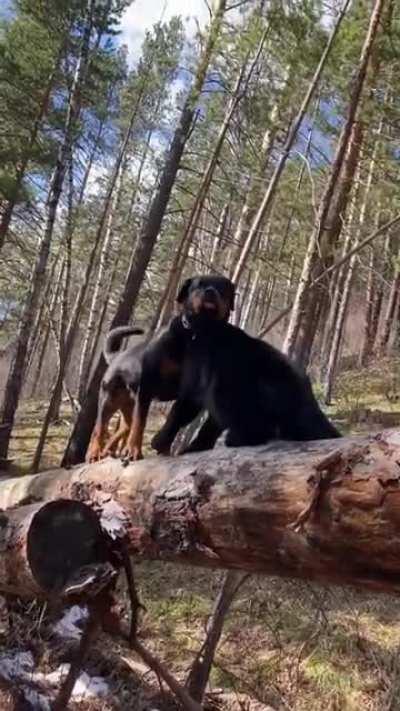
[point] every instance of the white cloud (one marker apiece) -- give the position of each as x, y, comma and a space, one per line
142, 14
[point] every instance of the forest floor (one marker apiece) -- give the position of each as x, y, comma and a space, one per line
286, 644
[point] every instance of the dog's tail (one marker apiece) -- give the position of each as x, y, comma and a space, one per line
114, 338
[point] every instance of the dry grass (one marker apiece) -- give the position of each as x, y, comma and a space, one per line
286, 644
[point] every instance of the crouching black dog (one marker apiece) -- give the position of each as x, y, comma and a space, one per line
149, 370
248, 387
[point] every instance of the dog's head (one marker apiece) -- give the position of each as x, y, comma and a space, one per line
210, 296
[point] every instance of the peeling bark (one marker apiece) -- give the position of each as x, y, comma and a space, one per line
327, 511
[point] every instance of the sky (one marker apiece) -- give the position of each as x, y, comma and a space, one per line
142, 14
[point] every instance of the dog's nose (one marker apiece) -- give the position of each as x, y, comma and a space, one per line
209, 293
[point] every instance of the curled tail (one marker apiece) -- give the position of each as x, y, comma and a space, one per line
114, 338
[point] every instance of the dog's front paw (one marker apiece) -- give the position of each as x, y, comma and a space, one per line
131, 453
94, 454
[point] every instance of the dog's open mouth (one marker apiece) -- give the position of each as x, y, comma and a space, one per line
209, 306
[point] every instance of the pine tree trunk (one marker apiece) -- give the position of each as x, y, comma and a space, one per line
8, 209
370, 300
340, 306
40, 332
90, 162
366, 242
240, 299
337, 284
308, 305
182, 251
378, 300
71, 331
254, 192
245, 316
69, 228
101, 320
322, 245
105, 257
390, 309
367, 343
44, 334
48, 295
270, 193
200, 670
328, 336
67, 342
219, 245
142, 253
286, 234
17, 369
139, 174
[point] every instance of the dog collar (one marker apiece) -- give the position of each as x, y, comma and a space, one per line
185, 322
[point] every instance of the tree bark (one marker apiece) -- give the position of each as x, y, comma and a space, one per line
60, 334
390, 309
200, 671
80, 436
106, 255
67, 342
250, 300
218, 248
327, 342
366, 347
306, 309
255, 190
16, 373
309, 303
286, 233
269, 196
43, 326
241, 83
340, 308
374, 297
327, 511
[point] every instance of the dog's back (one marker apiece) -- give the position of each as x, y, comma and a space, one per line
124, 367
253, 390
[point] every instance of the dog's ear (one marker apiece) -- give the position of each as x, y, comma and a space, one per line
184, 291
232, 291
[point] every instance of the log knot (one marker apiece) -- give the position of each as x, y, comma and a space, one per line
328, 472
203, 486
176, 527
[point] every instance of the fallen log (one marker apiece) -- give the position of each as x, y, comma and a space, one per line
327, 511
54, 550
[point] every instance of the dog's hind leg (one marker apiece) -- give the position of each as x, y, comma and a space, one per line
134, 443
106, 409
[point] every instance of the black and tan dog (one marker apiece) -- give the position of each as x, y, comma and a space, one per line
248, 387
150, 370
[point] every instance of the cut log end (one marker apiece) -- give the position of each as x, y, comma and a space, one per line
64, 537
